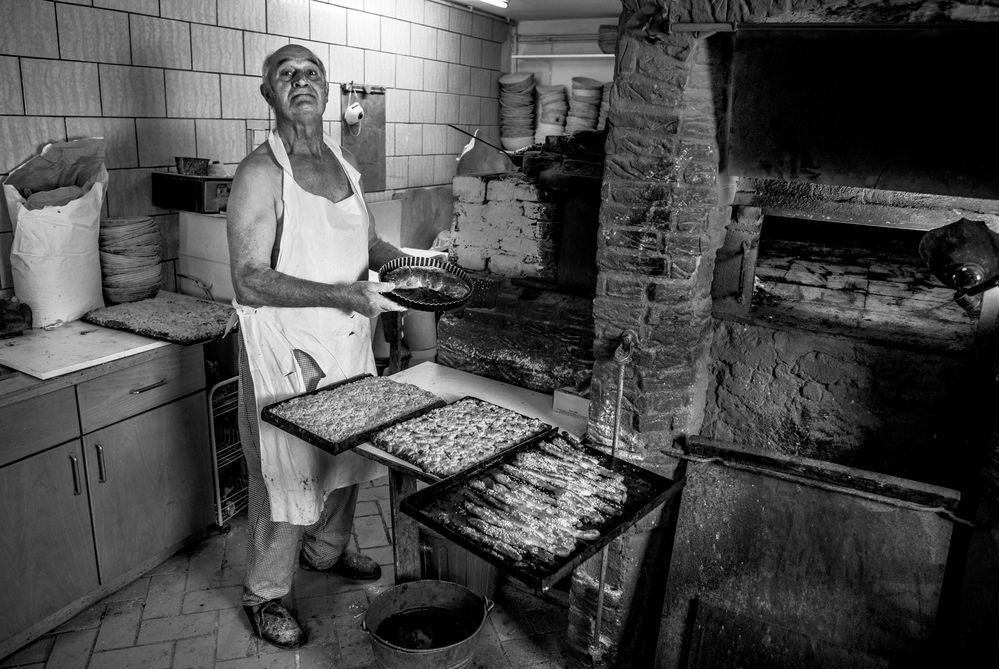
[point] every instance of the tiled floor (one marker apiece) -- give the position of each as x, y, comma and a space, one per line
186, 613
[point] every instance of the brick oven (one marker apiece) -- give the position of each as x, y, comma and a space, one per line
845, 519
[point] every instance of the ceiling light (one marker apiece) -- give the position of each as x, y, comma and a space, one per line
495, 3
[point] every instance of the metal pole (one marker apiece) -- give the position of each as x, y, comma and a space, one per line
622, 354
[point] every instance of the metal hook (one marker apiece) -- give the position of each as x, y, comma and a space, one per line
629, 340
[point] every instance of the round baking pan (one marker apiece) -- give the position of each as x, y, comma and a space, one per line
437, 306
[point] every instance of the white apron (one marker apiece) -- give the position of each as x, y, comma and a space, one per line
326, 242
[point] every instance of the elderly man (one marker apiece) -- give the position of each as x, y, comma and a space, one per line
301, 242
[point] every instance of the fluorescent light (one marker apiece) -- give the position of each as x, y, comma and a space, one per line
495, 3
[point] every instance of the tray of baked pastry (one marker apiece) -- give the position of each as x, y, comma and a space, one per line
344, 414
459, 435
542, 508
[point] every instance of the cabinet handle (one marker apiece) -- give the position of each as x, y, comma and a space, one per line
101, 472
139, 391
76, 475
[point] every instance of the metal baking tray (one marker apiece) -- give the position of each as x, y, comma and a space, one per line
646, 491
391, 460
335, 447
436, 306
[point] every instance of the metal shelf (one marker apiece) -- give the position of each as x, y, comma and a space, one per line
550, 56
228, 465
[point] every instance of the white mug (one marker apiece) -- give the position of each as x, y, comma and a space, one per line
354, 113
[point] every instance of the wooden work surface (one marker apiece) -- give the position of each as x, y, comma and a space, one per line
451, 384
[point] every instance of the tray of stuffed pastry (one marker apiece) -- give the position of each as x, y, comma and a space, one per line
540, 509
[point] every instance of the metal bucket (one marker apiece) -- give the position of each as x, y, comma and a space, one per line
419, 595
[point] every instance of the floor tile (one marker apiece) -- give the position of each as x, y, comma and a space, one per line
72, 650
120, 625
177, 627
156, 656
196, 653
166, 595
37, 651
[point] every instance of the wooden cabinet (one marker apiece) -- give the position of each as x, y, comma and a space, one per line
46, 544
104, 474
150, 483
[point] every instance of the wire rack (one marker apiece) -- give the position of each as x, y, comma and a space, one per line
229, 467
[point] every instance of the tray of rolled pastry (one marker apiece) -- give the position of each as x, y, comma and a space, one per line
344, 414
542, 508
447, 440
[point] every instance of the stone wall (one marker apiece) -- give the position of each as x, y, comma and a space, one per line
665, 205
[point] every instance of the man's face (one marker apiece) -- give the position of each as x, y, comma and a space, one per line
296, 85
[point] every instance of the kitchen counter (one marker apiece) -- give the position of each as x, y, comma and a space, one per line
89, 363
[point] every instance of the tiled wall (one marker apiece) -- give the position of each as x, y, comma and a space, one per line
161, 78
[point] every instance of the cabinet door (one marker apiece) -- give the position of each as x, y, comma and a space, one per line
150, 483
46, 541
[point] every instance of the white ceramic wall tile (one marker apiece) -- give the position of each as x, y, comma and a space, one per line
410, 10
468, 109
288, 17
488, 111
448, 46
480, 83
160, 140
220, 140
351, 4
193, 94
421, 171
196, 11
396, 172
390, 139
132, 91
423, 107
437, 14
447, 108
241, 98
423, 41
256, 47
329, 23
379, 68
363, 30
243, 14
457, 78
435, 75
98, 35
11, 101
398, 106
28, 28
118, 134
460, 21
130, 194
482, 26
435, 138
409, 72
216, 49
444, 169
21, 137
409, 139
491, 55
382, 7
471, 51
320, 49
60, 88
333, 110
160, 42
395, 36
346, 64
151, 7
501, 31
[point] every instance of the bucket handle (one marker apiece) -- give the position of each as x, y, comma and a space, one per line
486, 602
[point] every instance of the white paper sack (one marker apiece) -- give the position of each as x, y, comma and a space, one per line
55, 257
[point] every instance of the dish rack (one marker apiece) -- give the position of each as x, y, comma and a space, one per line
228, 464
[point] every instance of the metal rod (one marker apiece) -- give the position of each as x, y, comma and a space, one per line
478, 139
622, 354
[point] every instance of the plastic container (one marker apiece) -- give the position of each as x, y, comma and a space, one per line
445, 560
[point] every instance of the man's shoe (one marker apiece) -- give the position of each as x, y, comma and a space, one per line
350, 565
273, 623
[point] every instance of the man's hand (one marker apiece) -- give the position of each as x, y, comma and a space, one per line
366, 298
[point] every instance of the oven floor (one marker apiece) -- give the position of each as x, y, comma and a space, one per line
187, 613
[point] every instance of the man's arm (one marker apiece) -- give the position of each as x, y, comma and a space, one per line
252, 227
